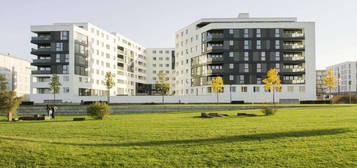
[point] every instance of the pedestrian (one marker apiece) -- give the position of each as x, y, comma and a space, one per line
54, 108
49, 111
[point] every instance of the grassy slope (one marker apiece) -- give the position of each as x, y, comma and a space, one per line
310, 137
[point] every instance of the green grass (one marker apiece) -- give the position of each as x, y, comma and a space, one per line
297, 137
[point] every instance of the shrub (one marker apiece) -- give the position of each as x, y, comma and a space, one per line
99, 110
344, 99
269, 111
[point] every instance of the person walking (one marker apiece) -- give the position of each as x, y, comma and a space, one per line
54, 108
49, 111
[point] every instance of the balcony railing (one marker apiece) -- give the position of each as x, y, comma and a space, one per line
120, 60
40, 49
294, 35
41, 72
294, 58
210, 48
293, 46
300, 69
41, 61
298, 81
38, 38
214, 36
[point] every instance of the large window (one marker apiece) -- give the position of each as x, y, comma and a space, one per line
259, 44
64, 35
59, 46
58, 57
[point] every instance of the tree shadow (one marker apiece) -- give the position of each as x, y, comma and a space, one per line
225, 139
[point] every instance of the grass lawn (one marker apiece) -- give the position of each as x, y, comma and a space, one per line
297, 137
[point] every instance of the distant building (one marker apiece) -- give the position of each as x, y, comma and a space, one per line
346, 77
321, 90
241, 50
17, 72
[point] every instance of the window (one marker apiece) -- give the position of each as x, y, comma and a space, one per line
277, 33
259, 33
259, 44
160, 52
277, 66
154, 51
290, 88
233, 89
231, 42
154, 58
259, 67
246, 44
263, 56
154, 72
301, 89
231, 66
230, 31
231, 54
259, 80
246, 33
154, 65
66, 58
246, 56
241, 79
277, 56
58, 57
64, 35
256, 89
65, 89
59, 46
246, 67
65, 69
231, 77
160, 58
244, 89
277, 44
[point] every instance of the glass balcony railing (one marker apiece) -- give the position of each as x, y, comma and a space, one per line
41, 60
299, 69
294, 46
38, 38
293, 34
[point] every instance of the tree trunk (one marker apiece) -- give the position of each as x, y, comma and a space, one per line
274, 98
217, 98
54, 97
163, 99
108, 97
9, 116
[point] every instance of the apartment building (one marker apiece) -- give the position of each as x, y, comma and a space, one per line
161, 60
17, 72
346, 77
321, 90
81, 54
241, 50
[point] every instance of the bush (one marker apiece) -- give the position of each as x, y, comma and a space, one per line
99, 110
344, 99
269, 111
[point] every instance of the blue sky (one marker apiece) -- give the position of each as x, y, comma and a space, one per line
152, 23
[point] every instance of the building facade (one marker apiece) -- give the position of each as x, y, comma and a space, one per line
81, 54
241, 50
17, 72
321, 90
346, 77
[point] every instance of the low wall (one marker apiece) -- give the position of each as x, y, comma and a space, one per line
122, 109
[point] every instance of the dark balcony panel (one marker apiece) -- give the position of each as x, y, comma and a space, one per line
41, 40
38, 72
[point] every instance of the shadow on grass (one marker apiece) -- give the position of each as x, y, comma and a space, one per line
226, 139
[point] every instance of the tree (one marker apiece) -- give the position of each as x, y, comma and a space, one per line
55, 86
162, 85
99, 110
217, 86
8, 100
272, 82
330, 81
109, 83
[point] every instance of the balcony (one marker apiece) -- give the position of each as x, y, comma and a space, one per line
298, 81
120, 60
40, 51
214, 37
293, 34
214, 71
294, 57
293, 46
298, 69
40, 39
212, 48
41, 72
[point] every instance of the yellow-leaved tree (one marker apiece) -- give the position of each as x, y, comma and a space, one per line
217, 86
272, 82
330, 81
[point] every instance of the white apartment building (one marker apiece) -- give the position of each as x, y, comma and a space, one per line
241, 50
161, 60
17, 72
321, 90
81, 54
346, 77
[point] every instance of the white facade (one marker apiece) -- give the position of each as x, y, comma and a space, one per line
17, 72
189, 44
346, 77
161, 60
107, 52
